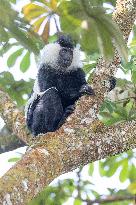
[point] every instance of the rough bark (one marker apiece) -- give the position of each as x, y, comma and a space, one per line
80, 140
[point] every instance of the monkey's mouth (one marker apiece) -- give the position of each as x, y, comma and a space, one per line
66, 62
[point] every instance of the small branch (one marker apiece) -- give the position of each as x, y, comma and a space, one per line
110, 199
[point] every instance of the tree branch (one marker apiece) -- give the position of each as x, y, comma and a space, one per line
80, 140
110, 200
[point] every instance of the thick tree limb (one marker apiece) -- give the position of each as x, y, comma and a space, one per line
63, 152
81, 140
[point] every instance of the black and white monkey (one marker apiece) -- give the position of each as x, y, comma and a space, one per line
59, 83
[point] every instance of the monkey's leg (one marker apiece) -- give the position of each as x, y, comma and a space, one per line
68, 111
48, 112
30, 110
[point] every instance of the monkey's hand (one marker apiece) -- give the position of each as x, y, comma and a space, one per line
86, 89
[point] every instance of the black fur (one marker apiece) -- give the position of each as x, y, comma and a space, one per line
112, 81
65, 41
49, 111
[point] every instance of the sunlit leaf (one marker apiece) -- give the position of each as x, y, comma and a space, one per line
91, 169
38, 23
133, 77
13, 1
14, 159
77, 202
32, 11
53, 4
124, 171
132, 188
45, 34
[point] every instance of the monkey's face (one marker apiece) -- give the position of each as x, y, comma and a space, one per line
65, 57
60, 57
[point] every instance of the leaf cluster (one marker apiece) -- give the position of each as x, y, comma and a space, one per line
16, 89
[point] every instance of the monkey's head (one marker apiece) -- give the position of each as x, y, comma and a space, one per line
62, 55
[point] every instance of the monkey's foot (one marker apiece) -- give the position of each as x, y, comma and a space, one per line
69, 109
86, 89
112, 81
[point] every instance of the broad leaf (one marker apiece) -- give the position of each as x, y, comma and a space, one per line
14, 159
45, 34
25, 63
32, 11
38, 23
13, 57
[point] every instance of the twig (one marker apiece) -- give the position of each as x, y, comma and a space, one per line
110, 199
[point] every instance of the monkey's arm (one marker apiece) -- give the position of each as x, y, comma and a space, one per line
85, 87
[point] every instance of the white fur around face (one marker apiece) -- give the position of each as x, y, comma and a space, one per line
50, 54
76, 62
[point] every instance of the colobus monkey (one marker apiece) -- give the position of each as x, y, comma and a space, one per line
60, 82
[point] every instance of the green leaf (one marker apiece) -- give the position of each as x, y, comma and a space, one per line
18, 28
13, 57
6, 47
132, 188
15, 89
25, 63
89, 39
112, 169
101, 169
77, 202
129, 106
3, 35
133, 77
87, 68
38, 23
91, 169
13, 1
14, 159
132, 173
104, 40
32, 11
123, 176
113, 30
